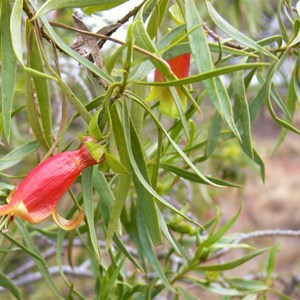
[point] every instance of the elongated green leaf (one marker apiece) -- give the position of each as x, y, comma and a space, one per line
124, 181
109, 280
233, 32
217, 288
17, 155
166, 232
215, 237
147, 201
271, 263
292, 98
281, 122
9, 62
121, 195
87, 191
202, 56
172, 142
106, 202
40, 265
263, 93
205, 75
15, 29
193, 177
16, 36
213, 135
7, 283
248, 285
41, 88
143, 39
232, 264
58, 4
241, 109
148, 248
65, 48
24, 248
32, 113
146, 184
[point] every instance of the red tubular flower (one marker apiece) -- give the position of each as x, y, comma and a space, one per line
38, 194
180, 66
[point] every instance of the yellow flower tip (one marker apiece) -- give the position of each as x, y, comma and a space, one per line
21, 211
66, 224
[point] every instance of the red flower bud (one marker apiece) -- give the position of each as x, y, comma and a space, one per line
180, 66
38, 194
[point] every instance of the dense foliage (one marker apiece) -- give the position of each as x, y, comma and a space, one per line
172, 103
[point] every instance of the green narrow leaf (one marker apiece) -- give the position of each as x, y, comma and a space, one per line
147, 201
182, 173
157, 17
121, 195
260, 162
232, 264
9, 63
172, 142
292, 98
59, 4
202, 56
148, 248
65, 48
106, 201
233, 32
17, 155
258, 101
215, 237
204, 75
166, 232
7, 283
241, 110
42, 89
144, 40
16, 36
24, 248
32, 113
146, 184
109, 281
42, 267
15, 29
271, 264
87, 191
213, 135
124, 179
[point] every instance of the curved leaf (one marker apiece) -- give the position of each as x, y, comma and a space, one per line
58, 4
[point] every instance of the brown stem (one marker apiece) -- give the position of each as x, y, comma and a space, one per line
113, 28
218, 38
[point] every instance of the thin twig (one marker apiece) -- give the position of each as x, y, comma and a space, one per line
218, 38
36, 276
258, 234
102, 36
